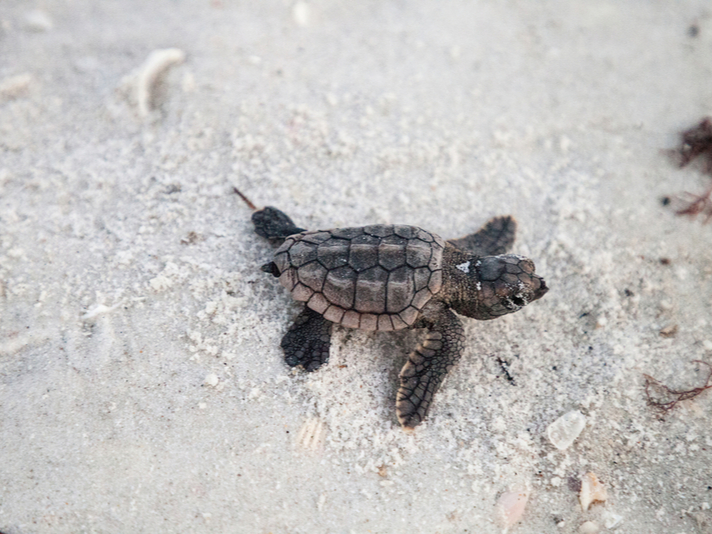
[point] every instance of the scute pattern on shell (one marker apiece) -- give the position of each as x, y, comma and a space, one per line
375, 278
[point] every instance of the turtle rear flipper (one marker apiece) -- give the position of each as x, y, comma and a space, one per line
274, 224
494, 238
426, 368
307, 341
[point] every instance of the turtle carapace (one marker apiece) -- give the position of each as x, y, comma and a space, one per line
391, 277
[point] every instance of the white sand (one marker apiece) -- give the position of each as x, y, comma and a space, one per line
142, 387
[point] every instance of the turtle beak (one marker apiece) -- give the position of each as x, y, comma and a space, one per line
543, 288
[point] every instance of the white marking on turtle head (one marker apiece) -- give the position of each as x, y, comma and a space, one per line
464, 267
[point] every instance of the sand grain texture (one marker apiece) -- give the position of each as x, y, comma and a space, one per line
142, 388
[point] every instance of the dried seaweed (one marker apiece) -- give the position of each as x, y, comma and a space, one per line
665, 398
696, 143
694, 205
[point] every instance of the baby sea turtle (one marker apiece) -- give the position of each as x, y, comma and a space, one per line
390, 277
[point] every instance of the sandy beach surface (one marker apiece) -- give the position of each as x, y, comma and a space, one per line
142, 385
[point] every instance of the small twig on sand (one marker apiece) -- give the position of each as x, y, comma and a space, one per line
247, 200
665, 398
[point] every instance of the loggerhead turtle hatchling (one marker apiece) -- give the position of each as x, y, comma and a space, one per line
390, 277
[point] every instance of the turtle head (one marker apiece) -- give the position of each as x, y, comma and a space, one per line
501, 285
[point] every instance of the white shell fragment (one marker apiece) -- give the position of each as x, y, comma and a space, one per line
510, 507
564, 431
38, 20
592, 490
99, 309
157, 63
589, 527
301, 14
14, 86
611, 520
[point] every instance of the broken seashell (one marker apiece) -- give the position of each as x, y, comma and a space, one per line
155, 66
510, 507
566, 429
592, 490
312, 434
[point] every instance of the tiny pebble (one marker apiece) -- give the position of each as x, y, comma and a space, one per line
510, 507
332, 99
611, 520
212, 380
669, 330
300, 12
589, 527
564, 431
565, 144
15, 86
38, 20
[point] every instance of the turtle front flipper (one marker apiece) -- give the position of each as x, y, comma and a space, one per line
307, 341
494, 238
427, 366
274, 224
